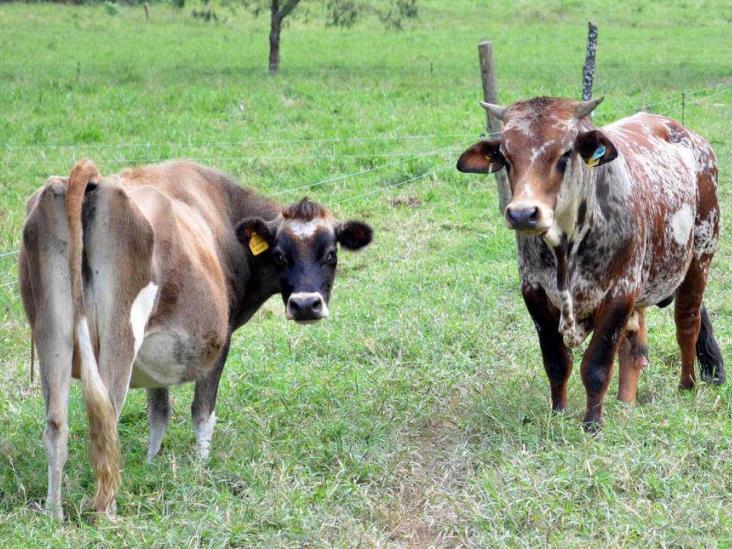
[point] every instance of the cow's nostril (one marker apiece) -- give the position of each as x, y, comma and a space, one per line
317, 305
294, 305
523, 217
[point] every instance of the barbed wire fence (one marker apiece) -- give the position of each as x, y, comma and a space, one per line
679, 100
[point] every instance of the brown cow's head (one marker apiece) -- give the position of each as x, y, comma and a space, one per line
301, 245
547, 146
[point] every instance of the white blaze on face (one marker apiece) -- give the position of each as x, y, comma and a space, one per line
681, 224
306, 229
140, 312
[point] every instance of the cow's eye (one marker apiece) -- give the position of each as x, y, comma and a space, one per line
563, 161
330, 258
279, 258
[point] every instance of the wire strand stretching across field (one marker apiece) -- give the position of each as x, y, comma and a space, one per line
234, 143
398, 184
330, 181
290, 158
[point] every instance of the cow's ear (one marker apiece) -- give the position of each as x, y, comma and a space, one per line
256, 234
595, 148
354, 235
483, 157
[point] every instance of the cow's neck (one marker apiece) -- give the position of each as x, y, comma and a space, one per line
250, 282
574, 216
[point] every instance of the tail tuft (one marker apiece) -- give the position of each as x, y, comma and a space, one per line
711, 362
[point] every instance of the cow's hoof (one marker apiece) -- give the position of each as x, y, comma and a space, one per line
592, 426
559, 408
686, 385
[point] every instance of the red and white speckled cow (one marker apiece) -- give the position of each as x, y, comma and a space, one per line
609, 222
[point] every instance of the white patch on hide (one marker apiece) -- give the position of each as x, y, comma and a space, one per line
681, 223
140, 312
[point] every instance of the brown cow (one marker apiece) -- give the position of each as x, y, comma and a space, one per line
139, 280
609, 222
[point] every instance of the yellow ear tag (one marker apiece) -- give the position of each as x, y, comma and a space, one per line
592, 162
257, 244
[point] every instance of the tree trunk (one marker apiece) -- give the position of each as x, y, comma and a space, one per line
274, 41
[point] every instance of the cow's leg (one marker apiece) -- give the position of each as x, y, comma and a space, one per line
633, 356
597, 362
556, 356
158, 415
687, 314
120, 294
44, 269
204, 402
55, 350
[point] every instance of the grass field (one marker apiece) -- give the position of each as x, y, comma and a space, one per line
418, 413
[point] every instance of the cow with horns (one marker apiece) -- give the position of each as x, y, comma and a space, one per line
609, 222
139, 280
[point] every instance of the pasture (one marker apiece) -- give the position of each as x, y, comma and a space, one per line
418, 413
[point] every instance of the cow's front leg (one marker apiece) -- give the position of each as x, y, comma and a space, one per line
204, 402
597, 362
557, 357
158, 415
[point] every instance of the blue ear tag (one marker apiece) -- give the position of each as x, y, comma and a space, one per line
596, 156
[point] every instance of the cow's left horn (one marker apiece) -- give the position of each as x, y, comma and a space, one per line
586, 107
496, 110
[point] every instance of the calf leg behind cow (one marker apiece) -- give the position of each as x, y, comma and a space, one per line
556, 356
633, 356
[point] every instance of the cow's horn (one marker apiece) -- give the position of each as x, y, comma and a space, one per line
495, 110
586, 107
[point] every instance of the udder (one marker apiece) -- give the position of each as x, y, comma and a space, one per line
167, 358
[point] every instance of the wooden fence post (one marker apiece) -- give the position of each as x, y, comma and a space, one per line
495, 126
588, 71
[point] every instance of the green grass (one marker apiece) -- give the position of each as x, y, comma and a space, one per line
419, 412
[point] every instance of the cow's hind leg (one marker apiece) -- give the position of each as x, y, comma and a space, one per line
204, 403
632, 356
44, 269
158, 415
711, 363
688, 317
556, 356
118, 243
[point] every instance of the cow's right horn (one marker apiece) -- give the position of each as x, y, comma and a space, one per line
586, 107
495, 110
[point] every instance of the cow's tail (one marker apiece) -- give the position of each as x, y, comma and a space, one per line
711, 363
103, 445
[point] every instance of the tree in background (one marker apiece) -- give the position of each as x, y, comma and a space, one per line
339, 13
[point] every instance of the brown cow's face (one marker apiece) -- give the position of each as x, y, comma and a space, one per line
302, 249
544, 147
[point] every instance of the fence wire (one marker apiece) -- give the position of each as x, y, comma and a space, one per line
694, 97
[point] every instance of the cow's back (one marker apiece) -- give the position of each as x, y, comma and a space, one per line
672, 178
